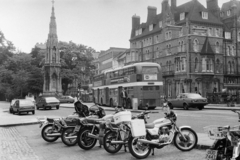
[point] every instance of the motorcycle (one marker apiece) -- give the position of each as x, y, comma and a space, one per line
93, 130
160, 133
118, 134
52, 127
227, 142
70, 131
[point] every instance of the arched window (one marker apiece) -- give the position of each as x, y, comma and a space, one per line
228, 50
179, 47
233, 51
218, 66
217, 47
183, 47
210, 31
229, 67
195, 45
233, 67
167, 66
196, 65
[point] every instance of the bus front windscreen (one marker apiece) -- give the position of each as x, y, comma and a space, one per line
149, 70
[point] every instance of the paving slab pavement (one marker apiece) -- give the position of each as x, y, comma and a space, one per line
204, 142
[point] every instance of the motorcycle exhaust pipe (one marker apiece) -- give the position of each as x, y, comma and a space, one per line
92, 136
54, 134
117, 142
154, 143
71, 137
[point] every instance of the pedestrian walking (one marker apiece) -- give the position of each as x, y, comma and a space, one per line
124, 96
229, 99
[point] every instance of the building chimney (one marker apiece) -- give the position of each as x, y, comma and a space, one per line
135, 21
152, 12
164, 5
212, 6
173, 4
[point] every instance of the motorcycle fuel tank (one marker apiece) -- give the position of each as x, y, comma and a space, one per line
161, 122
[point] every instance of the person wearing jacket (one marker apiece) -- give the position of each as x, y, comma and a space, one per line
124, 96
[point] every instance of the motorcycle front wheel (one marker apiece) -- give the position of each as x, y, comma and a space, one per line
66, 133
84, 141
188, 142
111, 148
137, 149
48, 129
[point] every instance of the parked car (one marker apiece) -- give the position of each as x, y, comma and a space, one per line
22, 105
187, 100
11, 105
47, 102
66, 99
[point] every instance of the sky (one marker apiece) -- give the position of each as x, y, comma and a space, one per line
99, 24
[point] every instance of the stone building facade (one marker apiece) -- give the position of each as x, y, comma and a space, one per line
106, 58
194, 45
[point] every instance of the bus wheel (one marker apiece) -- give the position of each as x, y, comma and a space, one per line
111, 103
128, 104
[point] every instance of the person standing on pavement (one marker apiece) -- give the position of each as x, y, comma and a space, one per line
229, 97
124, 96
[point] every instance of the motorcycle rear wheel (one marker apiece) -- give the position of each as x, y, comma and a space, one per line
111, 148
48, 129
188, 144
135, 148
67, 132
84, 141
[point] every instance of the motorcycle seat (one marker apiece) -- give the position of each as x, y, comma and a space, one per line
149, 125
94, 121
50, 120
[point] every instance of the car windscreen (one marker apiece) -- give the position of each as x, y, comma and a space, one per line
149, 70
51, 99
26, 102
194, 96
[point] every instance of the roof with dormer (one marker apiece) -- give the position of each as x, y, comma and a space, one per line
193, 12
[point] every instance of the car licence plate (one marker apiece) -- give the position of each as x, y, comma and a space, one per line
211, 154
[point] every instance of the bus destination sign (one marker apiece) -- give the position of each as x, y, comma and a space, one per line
150, 76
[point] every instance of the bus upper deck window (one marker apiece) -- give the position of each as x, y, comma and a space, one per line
149, 70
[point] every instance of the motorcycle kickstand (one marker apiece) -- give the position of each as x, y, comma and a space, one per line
152, 151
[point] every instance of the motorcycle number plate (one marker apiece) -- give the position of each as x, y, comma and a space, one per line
211, 154
77, 128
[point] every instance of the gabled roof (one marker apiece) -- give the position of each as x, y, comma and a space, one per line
207, 49
193, 11
228, 5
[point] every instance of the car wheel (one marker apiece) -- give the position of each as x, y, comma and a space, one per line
57, 107
33, 112
185, 106
200, 107
170, 106
10, 111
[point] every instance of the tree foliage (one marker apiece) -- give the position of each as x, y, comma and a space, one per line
21, 73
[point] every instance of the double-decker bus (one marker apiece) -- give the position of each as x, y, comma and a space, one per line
143, 82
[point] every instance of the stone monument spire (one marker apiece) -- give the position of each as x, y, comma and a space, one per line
52, 79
